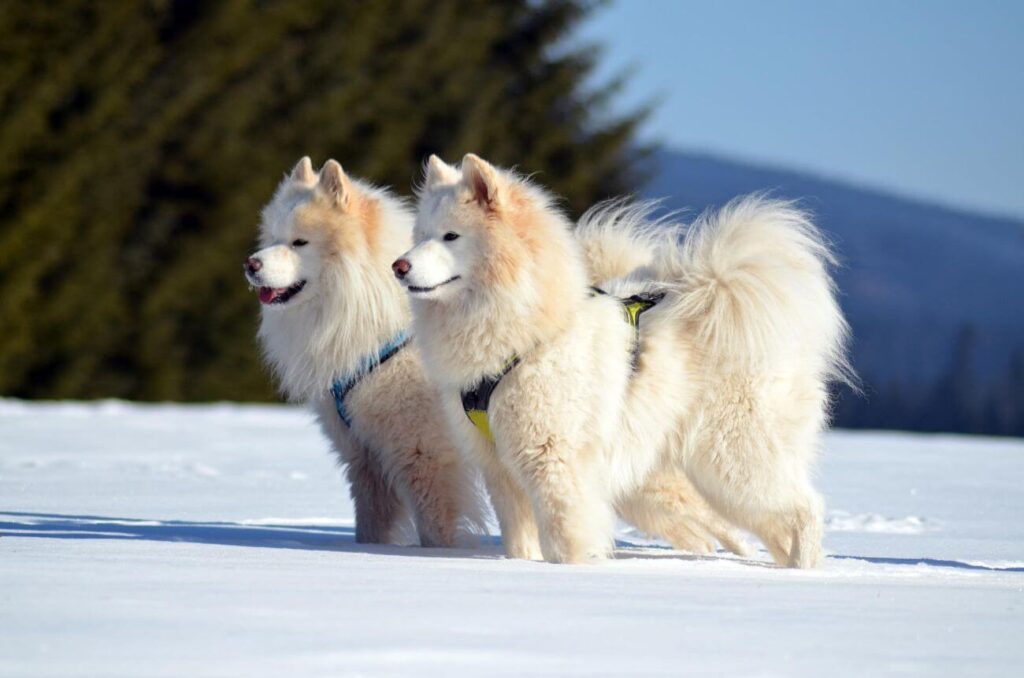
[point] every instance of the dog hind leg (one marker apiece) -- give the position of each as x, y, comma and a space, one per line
808, 532
378, 506
437, 492
759, 479
669, 506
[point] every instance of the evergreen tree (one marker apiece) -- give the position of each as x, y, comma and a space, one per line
138, 141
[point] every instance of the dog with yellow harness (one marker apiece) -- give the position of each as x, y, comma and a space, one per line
717, 374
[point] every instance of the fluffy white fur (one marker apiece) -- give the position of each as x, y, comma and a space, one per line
621, 237
399, 462
730, 390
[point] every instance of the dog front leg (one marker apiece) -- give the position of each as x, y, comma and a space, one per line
575, 516
515, 514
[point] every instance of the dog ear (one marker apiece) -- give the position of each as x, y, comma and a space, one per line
334, 183
439, 172
483, 180
303, 172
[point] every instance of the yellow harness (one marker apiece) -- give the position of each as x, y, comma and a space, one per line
475, 401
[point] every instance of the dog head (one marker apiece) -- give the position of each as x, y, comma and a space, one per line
475, 227
314, 224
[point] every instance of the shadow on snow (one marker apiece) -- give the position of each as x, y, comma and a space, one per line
338, 538
224, 533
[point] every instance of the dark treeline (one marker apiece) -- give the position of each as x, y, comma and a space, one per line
138, 141
959, 400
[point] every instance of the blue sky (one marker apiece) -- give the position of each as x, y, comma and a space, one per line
923, 98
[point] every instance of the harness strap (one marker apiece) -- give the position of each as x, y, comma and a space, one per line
476, 400
343, 385
634, 308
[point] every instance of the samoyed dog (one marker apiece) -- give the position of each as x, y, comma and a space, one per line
335, 329
710, 361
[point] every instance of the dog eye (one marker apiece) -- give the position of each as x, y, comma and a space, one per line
299, 242
450, 235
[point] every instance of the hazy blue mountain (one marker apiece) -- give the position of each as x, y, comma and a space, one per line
932, 292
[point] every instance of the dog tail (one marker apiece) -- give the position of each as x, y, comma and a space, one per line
754, 286
619, 237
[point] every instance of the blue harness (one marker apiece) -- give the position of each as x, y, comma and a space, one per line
344, 384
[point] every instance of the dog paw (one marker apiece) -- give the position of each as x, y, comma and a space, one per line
524, 551
575, 554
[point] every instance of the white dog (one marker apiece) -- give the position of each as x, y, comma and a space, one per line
724, 379
334, 328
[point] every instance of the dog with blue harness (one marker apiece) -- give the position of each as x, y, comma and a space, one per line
332, 328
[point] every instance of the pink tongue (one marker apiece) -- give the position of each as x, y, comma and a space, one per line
267, 294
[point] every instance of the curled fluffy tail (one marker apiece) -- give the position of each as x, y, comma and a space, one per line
754, 286
619, 237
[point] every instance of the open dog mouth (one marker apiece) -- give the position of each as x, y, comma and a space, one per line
424, 290
280, 295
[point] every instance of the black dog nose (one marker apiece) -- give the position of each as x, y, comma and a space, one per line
252, 265
401, 268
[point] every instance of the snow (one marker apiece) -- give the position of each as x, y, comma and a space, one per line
172, 540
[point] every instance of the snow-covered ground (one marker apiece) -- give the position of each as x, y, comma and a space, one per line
217, 540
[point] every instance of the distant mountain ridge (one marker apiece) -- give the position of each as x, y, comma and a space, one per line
924, 286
